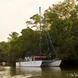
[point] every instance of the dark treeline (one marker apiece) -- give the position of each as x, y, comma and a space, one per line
61, 20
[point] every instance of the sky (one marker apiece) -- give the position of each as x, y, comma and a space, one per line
14, 14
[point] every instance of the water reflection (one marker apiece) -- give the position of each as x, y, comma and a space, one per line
4, 72
28, 69
57, 69
47, 72
37, 72
70, 72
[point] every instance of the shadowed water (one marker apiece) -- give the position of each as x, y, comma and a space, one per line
37, 72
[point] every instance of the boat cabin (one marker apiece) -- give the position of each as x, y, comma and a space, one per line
34, 58
38, 57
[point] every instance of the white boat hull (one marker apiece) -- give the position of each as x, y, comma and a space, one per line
29, 63
51, 63
55, 63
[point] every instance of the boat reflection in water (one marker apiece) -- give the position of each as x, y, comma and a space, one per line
28, 69
37, 69
53, 69
36, 72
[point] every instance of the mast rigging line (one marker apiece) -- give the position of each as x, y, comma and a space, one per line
47, 34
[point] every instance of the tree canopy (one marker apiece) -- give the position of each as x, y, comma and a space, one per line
60, 20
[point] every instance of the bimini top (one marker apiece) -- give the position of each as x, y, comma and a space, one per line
38, 56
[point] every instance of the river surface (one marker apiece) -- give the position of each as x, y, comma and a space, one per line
37, 72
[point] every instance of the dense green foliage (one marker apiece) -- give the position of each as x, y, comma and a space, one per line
61, 20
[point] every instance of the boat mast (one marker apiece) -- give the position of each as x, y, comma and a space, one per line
40, 32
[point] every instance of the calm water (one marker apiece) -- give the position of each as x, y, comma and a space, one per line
37, 72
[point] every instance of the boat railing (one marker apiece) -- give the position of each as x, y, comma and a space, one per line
28, 58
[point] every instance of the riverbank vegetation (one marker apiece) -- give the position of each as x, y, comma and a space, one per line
61, 20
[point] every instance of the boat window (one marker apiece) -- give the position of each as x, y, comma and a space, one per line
38, 58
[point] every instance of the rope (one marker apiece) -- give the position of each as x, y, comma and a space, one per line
51, 42
47, 42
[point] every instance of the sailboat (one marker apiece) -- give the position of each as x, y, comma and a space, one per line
40, 60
